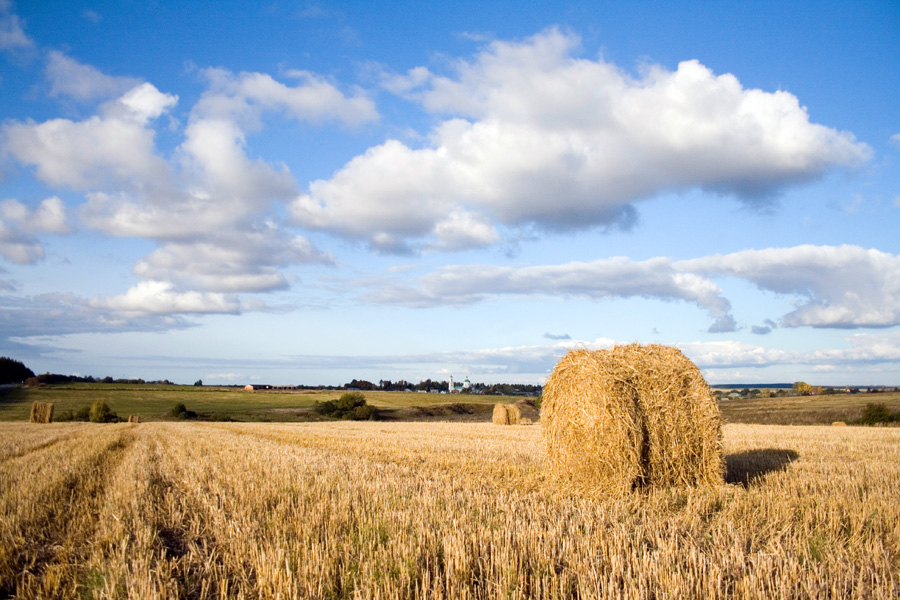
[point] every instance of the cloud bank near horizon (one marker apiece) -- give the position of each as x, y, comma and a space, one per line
835, 286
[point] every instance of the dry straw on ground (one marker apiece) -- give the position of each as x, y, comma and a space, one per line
506, 414
41, 412
630, 416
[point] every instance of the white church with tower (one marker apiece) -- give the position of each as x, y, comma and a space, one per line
458, 387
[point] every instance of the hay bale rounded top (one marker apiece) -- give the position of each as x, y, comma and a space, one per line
630, 416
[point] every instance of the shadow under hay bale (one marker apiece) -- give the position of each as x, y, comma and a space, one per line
41, 412
628, 417
746, 468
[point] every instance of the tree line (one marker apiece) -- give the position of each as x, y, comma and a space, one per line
14, 371
429, 385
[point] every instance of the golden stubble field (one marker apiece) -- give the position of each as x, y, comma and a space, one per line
432, 510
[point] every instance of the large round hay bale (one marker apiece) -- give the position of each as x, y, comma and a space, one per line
681, 415
630, 416
593, 434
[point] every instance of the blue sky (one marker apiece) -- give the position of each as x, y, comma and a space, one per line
307, 193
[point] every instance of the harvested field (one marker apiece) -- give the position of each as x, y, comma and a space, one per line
432, 510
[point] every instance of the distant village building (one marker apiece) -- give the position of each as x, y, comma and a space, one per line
458, 387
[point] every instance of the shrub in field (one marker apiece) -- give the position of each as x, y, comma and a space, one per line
324, 408
877, 413
101, 413
180, 411
351, 406
82, 414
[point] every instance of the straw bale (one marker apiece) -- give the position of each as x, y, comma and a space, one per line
839, 424
593, 433
500, 415
41, 412
134, 419
506, 414
525, 421
513, 414
681, 416
628, 417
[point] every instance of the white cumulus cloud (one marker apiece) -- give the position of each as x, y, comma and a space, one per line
246, 261
68, 77
18, 223
160, 297
112, 150
838, 286
211, 206
12, 34
244, 96
537, 136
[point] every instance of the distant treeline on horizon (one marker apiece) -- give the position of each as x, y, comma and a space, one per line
428, 385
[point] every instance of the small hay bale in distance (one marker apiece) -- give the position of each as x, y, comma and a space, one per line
506, 414
41, 412
839, 424
513, 414
499, 417
134, 419
628, 417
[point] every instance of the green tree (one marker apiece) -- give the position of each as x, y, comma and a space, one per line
351, 406
102, 413
180, 411
801, 388
13, 371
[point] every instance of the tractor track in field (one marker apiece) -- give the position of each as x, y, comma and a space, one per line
59, 529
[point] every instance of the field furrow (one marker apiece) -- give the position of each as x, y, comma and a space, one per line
49, 511
38, 438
